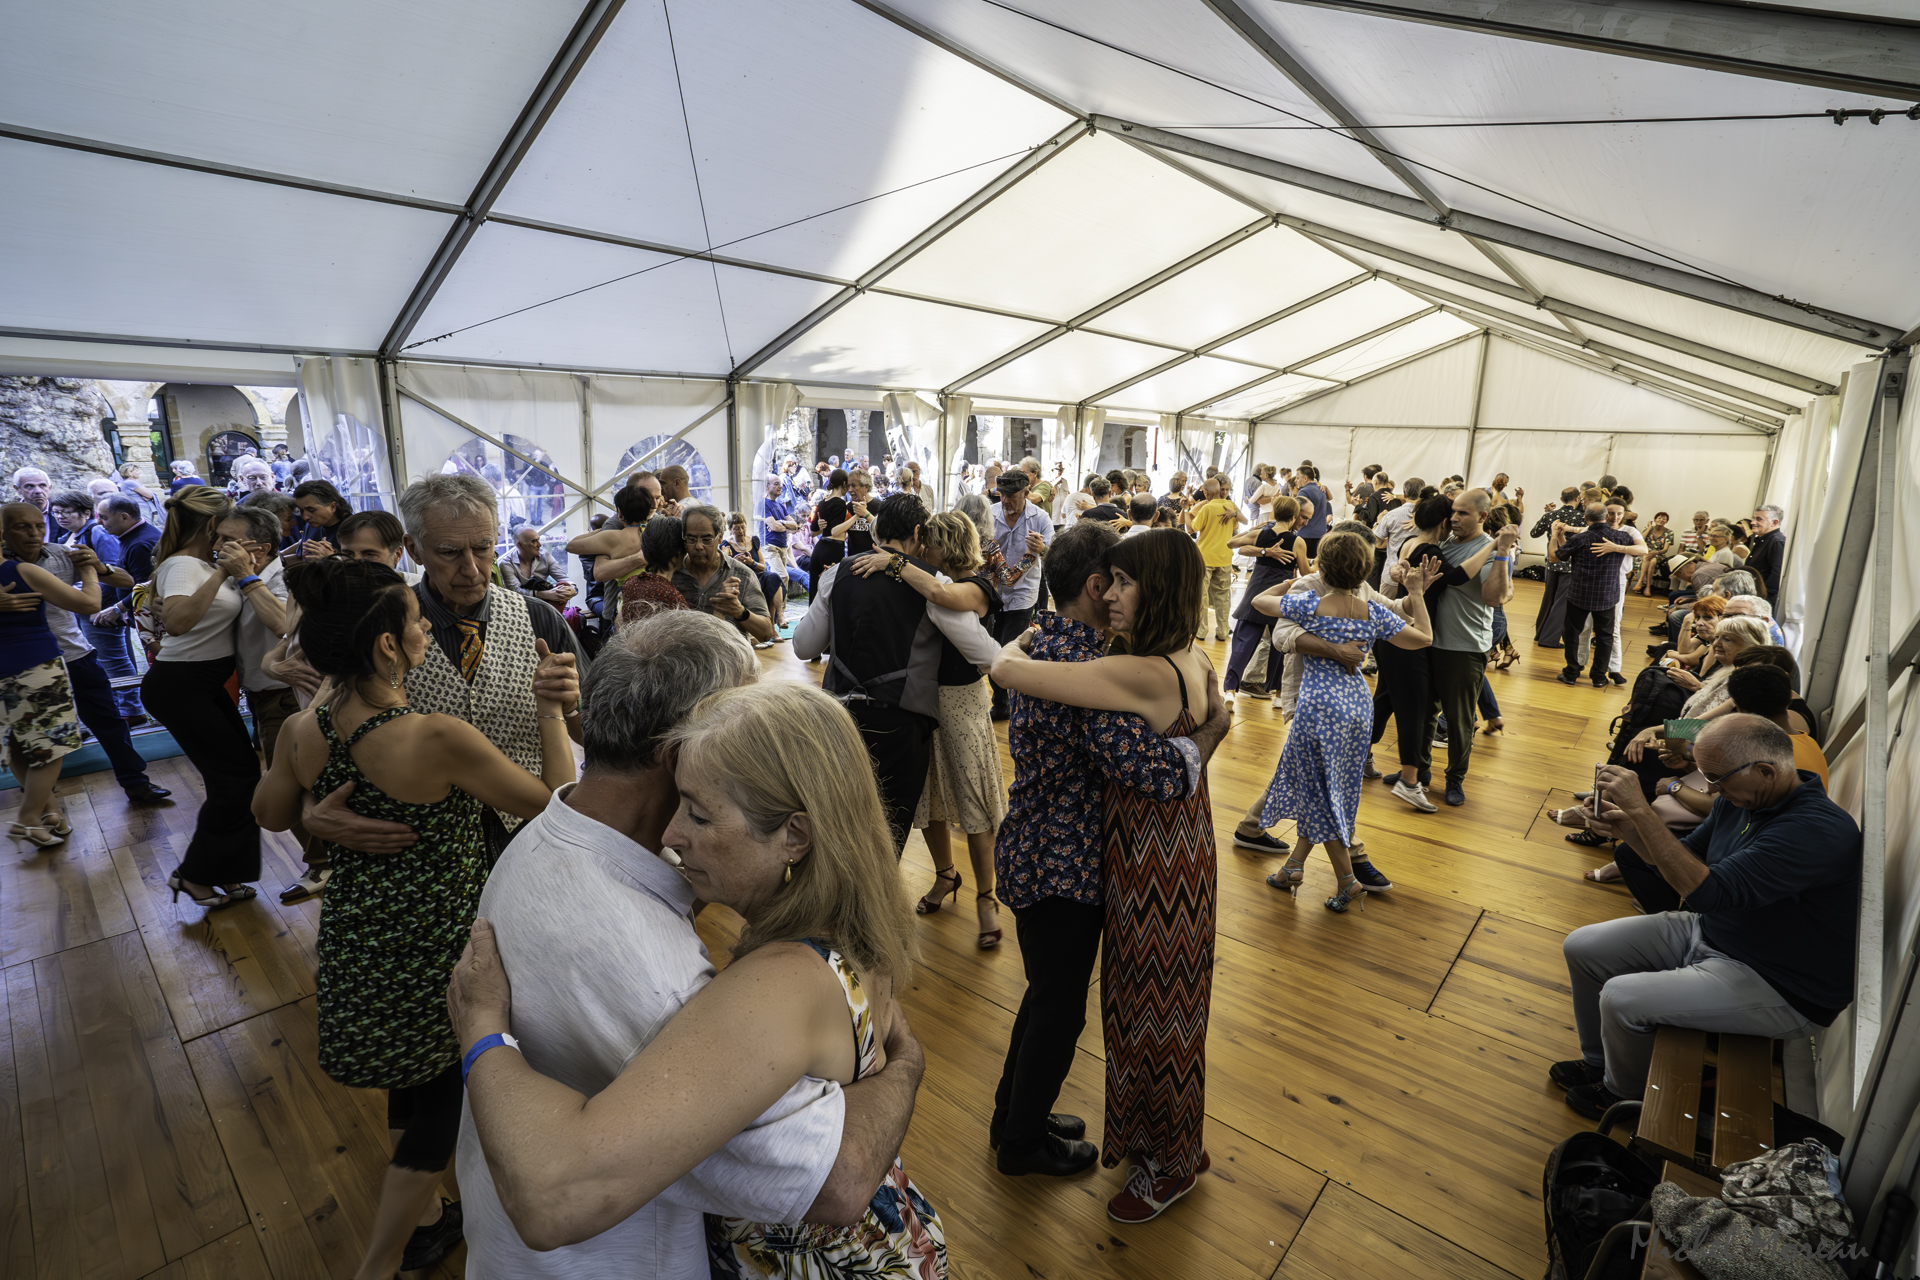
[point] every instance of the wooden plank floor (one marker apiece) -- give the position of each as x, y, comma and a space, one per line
1377, 1094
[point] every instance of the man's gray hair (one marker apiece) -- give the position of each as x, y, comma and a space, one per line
1744, 738
262, 524
30, 471
650, 676
1031, 463
459, 495
1360, 527
1754, 605
248, 464
181, 467
974, 506
1412, 488
1773, 512
713, 515
267, 500
1738, 582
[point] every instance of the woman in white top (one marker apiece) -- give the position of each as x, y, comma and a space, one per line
197, 601
1725, 552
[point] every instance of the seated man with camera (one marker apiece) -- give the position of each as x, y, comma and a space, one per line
1762, 942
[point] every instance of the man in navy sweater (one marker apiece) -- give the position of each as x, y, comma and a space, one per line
1763, 941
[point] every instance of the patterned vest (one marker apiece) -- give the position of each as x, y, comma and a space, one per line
499, 702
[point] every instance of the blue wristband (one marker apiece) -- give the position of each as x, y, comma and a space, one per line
480, 1046
247, 581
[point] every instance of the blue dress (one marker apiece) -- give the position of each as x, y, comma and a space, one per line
1317, 782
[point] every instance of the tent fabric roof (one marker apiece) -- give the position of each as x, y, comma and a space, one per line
1216, 207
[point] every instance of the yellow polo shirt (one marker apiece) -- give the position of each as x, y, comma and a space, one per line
1212, 525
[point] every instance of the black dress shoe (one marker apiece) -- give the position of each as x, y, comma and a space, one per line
1568, 677
1064, 1126
1616, 677
1057, 1157
428, 1244
1575, 1074
147, 793
1592, 1100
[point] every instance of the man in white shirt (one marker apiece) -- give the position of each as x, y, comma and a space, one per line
594, 925
1396, 526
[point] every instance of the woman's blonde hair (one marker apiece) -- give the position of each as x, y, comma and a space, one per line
1286, 510
956, 540
194, 510
764, 743
1743, 627
1344, 560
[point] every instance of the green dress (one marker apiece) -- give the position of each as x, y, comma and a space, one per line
392, 926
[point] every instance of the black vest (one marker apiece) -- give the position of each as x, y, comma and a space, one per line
883, 646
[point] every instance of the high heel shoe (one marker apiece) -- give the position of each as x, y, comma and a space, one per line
57, 823
1492, 727
1352, 893
1288, 877
211, 902
989, 938
40, 837
936, 896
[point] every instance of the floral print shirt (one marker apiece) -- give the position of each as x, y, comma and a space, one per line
1063, 758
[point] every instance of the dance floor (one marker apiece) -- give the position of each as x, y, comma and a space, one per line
1378, 1104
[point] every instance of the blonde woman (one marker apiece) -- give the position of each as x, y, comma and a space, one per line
803, 853
964, 785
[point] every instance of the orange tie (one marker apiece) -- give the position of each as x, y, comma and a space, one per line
472, 648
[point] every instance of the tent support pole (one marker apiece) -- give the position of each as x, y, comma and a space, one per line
1766, 469
1479, 387
1829, 51
1849, 570
1298, 365
733, 444
389, 381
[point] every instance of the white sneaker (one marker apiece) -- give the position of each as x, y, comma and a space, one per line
1415, 795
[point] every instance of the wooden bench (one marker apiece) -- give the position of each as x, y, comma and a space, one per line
1668, 1117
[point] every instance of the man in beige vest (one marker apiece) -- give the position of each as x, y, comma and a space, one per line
487, 643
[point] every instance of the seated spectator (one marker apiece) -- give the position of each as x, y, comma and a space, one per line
1756, 607
712, 583
532, 572
1760, 940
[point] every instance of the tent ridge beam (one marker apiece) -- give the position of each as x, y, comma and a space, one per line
1758, 368
69, 142
1274, 51
995, 187
574, 52
1477, 312
1854, 55
1871, 334
968, 56
185, 344
1208, 347
1127, 295
661, 375
1311, 396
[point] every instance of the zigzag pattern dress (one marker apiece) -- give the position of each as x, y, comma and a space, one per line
1159, 879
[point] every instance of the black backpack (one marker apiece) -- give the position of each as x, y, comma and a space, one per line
1593, 1184
1656, 699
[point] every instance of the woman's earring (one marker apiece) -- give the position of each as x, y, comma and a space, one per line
788, 878
393, 677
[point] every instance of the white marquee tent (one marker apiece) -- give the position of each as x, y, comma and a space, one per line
1547, 237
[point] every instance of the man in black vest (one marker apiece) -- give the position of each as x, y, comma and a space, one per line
882, 639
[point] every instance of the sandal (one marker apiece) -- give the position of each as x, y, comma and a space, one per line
56, 823
1288, 877
989, 938
937, 896
1591, 839
239, 892
1352, 892
1599, 874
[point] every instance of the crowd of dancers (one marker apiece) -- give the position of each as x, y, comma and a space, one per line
505, 940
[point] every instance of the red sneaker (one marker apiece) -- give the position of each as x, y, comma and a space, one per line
1146, 1197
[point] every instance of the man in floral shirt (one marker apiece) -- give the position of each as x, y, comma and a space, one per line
1047, 855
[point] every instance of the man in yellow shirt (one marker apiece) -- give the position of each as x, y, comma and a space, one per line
1213, 522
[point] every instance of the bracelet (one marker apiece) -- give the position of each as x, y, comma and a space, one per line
898, 563
247, 581
480, 1046
560, 718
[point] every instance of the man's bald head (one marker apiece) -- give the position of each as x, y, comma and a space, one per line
1749, 758
673, 483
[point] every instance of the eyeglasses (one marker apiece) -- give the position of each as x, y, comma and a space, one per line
1714, 780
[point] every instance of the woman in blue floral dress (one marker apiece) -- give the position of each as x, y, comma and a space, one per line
1321, 771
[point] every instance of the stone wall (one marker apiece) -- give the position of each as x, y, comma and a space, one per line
53, 424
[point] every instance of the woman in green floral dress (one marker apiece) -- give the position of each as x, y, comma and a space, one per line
392, 925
